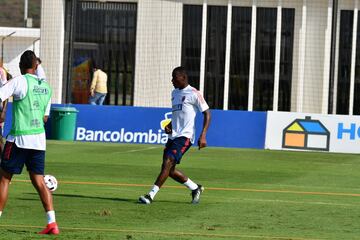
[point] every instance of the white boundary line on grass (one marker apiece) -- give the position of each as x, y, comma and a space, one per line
138, 150
160, 232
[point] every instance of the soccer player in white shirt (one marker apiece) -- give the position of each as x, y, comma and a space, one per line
26, 143
186, 102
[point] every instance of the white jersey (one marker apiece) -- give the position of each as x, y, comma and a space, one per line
17, 87
185, 104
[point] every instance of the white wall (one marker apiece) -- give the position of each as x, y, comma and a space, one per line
314, 55
52, 44
158, 51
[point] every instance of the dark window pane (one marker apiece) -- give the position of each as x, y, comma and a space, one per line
286, 57
191, 42
104, 33
345, 45
265, 59
356, 109
240, 58
215, 56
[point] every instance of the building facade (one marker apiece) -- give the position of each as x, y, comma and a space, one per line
255, 55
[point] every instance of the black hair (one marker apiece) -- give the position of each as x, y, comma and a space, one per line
96, 64
39, 60
27, 60
180, 70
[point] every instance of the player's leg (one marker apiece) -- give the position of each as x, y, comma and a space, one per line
5, 179
12, 162
178, 176
196, 189
35, 164
173, 153
168, 163
184, 145
44, 193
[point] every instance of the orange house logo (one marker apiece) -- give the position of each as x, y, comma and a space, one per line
307, 134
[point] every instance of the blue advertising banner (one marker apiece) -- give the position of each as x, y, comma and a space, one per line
145, 125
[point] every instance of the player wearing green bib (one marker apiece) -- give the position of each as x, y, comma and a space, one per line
29, 112
26, 143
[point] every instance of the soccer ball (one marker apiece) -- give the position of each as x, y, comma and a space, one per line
51, 182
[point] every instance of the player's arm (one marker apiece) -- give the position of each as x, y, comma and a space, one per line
47, 111
206, 123
10, 88
168, 128
3, 113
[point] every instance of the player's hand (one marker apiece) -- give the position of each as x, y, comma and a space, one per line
202, 142
92, 93
168, 128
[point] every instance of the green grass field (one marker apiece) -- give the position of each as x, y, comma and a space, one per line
250, 194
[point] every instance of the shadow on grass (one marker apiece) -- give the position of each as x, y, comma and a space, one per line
135, 201
84, 196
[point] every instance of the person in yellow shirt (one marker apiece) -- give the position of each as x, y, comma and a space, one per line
98, 88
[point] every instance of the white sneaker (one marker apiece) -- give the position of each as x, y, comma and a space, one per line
146, 199
196, 194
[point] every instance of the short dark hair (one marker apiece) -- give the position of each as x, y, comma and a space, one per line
96, 64
27, 60
180, 70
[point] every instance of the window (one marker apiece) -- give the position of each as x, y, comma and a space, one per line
265, 59
345, 46
286, 57
104, 33
240, 58
356, 109
215, 56
241, 26
191, 42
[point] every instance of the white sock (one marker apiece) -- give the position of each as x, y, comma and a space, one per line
50, 216
154, 191
0, 213
190, 184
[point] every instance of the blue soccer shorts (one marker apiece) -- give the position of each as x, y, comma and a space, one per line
177, 147
14, 158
